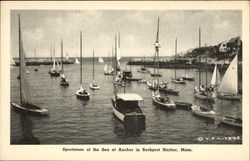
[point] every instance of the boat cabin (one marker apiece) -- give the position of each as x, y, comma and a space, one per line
127, 74
128, 102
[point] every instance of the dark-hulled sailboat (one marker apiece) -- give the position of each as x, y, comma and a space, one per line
25, 105
63, 79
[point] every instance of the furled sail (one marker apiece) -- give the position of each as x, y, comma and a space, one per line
229, 83
25, 89
215, 81
54, 59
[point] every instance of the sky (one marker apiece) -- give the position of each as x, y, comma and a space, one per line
137, 28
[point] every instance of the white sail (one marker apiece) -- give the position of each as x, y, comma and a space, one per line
67, 56
58, 66
77, 61
229, 83
24, 85
100, 60
106, 68
54, 60
215, 81
12, 62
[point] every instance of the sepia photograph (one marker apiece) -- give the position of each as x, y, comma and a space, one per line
124, 77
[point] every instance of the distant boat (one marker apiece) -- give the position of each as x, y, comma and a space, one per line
228, 88
12, 62
81, 93
63, 79
185, 76
76, 61
203, 112
26, 105
100, 60
127, 74
53, 71
94, 85
126, 106
177, 80
108, 69
143, 69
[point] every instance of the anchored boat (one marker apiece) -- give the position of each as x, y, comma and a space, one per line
26, 105
203, 112
63, 79
93, 85
236, 122
81, 93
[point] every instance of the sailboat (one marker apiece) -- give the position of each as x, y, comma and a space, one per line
201, 91
94, 85
154, 74
76, 61
156, 85
63, 79
127, 74
81, 93
185, 76
177, 80
36, 62
26, 104
143, 69
108, 69
53, 71
12, 62
100, 60
156, 97
228, 88
126, 106
215, 81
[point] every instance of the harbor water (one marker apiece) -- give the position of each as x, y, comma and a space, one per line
74, 121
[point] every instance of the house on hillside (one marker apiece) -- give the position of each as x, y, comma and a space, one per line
223, 47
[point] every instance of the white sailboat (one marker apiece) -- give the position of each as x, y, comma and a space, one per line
63, 79
53, 71
12, 62
81, 93
100, 60
76, 61
26, 105
94, 85
228, 88
108, 69
215, 81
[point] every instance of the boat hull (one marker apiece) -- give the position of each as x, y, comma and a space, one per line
200, 96
82, 96
228, 97
94, 87
64, 83
22, 109
178, 81
183, 105
187, 78
132, 120
230, 121
208, 114
167, 106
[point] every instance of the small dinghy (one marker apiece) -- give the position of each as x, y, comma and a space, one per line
81, 93
26, 105
94, 86
183, 105
203, 112
186, 77
163, 102
236, 122
142, 81
178, 81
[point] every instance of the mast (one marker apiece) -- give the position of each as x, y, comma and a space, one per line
81, 57
35, 55
19, 42
115, 67
175, 57
130, 64
51, 55
206, 71
93, 72
62, 54
108, 61
157, 52
199, 56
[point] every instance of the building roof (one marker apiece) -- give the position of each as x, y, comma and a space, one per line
129, 97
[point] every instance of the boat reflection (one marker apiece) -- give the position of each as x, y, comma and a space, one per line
26, 128
123, 131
